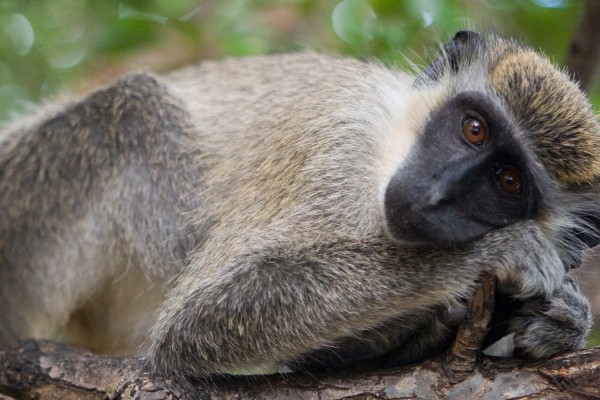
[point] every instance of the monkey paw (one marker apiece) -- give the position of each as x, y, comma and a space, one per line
532, 268
546, 327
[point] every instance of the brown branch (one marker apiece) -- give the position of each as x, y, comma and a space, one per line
462, 359
45, 370
583, 58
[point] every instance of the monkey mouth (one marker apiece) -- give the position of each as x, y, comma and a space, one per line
438, 226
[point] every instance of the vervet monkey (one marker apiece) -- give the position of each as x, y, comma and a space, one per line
301, 211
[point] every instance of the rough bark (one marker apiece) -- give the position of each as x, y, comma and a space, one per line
463, 356
45, 370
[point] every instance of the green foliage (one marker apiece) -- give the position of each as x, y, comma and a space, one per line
48, 45
594, 339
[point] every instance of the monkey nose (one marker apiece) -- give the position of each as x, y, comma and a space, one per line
439, 194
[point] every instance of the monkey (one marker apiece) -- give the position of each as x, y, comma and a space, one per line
303, 211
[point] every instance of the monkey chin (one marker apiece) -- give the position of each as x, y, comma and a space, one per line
427, 235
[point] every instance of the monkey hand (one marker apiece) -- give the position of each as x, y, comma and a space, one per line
545, 327
547, 313
526, 262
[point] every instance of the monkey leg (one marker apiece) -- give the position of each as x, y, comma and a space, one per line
91, 192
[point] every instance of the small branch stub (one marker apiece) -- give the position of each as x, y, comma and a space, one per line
464, 353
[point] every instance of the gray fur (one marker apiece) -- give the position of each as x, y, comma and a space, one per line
245, 196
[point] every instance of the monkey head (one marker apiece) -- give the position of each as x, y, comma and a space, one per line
511, 138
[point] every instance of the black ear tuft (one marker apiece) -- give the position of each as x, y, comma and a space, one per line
467, 37
464, 44
458, 51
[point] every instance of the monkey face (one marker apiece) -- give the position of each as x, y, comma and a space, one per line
466, 175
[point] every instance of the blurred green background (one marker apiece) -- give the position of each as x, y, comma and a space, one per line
54, 46
49, 46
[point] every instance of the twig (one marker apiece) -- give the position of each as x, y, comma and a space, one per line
462, 359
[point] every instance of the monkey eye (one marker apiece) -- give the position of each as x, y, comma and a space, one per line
474, 130
509, 179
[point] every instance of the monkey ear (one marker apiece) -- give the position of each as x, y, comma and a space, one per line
461, 50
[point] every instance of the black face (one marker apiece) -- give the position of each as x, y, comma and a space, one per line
465, 176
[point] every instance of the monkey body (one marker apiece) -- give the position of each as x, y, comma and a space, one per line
249, 201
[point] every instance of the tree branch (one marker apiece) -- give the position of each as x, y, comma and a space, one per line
462, 359
45, 370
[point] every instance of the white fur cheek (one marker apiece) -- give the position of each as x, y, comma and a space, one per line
409, 111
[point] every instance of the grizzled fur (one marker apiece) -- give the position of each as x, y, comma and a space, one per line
233, 210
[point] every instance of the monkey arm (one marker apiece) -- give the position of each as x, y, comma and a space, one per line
274, 305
